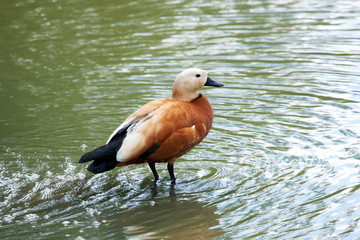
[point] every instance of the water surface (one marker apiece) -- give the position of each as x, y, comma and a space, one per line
281, 162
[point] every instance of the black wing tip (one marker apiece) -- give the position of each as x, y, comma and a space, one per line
102, 166
84, 158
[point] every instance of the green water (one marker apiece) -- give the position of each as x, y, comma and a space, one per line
281, 162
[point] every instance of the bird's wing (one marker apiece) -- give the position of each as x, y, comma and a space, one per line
162, 121
137, 116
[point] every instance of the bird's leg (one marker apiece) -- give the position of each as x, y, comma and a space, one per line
170, 168
153, 169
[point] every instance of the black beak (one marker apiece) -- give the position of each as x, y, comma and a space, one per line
210, 82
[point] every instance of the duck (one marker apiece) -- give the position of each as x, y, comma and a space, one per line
160, 131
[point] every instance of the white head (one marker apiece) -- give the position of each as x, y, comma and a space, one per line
189, 81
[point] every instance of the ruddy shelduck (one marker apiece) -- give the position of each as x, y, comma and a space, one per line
161, 130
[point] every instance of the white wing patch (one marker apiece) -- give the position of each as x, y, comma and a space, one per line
120, 127
130, 147
134, 142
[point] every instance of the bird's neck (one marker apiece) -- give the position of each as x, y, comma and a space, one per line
188, 97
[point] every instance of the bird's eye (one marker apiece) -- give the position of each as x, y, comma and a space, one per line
198, 75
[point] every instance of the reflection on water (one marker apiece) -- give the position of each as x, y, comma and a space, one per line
282, 159
72, 205
169, 218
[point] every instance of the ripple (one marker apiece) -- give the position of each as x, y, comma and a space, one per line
282, 158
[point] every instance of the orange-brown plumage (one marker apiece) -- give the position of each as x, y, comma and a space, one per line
180, 127
161, 130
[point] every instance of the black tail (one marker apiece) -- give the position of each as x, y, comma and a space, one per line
104, 157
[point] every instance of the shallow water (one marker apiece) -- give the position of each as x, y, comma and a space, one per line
281, 162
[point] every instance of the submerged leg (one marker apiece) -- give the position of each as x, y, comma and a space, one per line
170, 168
153, 169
